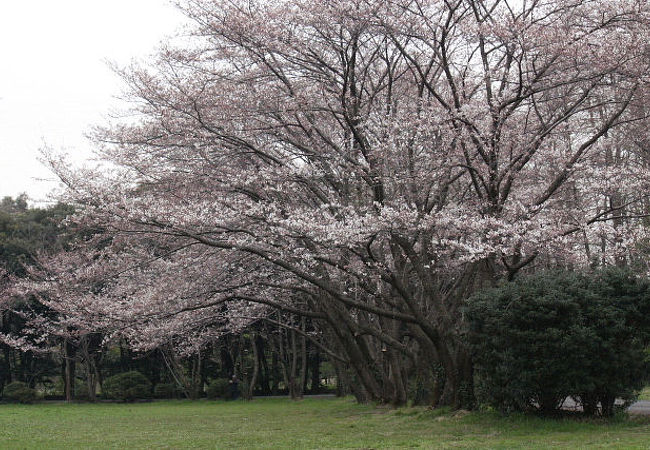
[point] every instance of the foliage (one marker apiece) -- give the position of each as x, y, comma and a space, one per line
546, 337
25, 232
219, 388
80, 390
127, 386
18, 392
645, 394
165, 390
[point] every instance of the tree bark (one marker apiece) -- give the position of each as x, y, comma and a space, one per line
256, 368
69, 372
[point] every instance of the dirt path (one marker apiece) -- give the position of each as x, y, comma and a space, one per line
641, 407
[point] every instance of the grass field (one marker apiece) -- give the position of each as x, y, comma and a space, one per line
311, 423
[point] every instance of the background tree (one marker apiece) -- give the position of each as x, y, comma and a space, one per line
24, 233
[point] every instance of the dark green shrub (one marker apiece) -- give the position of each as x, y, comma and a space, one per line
81, 390
541, 339
219, 388
617, 359
18, 392
165, 390
127, 386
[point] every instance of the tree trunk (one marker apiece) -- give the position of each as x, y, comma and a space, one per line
293, 388
256, 368
69, 373
195, 376
398, 397
302, 379
91, 370
315, 371
458, 390
265, 375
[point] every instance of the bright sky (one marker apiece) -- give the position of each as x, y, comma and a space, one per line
54, 78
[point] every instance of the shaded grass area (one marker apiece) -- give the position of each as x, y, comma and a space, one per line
645, 394
311, 423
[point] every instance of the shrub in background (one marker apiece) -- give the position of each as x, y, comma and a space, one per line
219, 388
543, 338
18, 392
81, 390
127, 386
166, 390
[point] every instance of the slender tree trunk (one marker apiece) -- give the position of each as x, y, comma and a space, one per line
69, 373
303, 361
315, 371
282, 358
7, 376
276, 372
90, 367
265, 375
176, 370
256, 368
195, 376
293, 367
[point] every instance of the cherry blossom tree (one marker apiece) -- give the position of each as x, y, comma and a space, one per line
367, 164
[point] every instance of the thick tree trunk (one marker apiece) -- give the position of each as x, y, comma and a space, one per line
352, 345
341, 385
398, 395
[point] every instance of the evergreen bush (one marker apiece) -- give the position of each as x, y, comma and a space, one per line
219, 388
18, 392
543, 338
127, 386
165, 390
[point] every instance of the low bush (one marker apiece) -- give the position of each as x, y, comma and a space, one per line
541, 339
81, 390
165, 390
219, 388
18, 392
127, 386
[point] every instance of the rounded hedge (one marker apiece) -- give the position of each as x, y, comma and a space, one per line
165, 390
543, 338
18, 392
127, 386
219, 388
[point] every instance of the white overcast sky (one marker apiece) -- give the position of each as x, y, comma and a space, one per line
54, 78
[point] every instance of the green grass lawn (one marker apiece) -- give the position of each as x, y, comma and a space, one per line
311, 423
